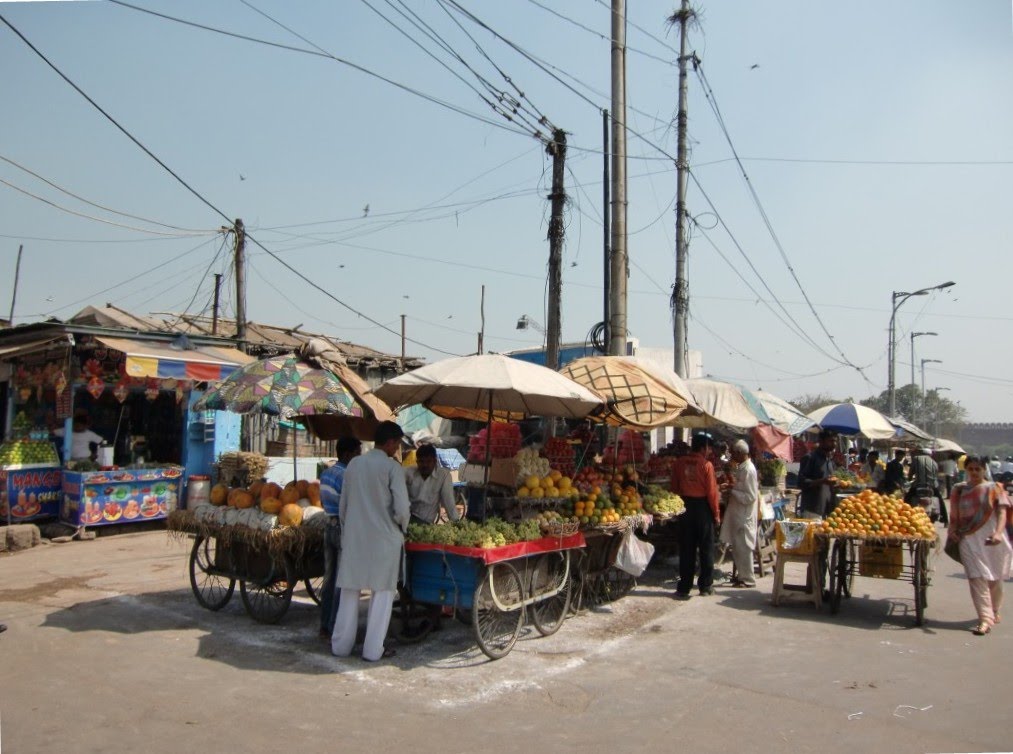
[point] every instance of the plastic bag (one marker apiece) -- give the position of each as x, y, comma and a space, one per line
634, 554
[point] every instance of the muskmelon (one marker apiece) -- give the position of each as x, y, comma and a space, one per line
290, 515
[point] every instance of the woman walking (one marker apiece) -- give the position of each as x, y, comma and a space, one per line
978, 512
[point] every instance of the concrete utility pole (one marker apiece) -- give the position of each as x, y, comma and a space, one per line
240, 261
606, 230
620, 261
403, 341
557, 149
14, 292
680, 292
481, 332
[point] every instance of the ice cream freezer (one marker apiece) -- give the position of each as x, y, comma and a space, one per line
120, 496
30, 492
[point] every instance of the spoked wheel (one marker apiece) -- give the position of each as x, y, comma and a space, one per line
267, 601
551, 573
920, 584
314, 587
616, 584
212, 589
498, 610
838, 574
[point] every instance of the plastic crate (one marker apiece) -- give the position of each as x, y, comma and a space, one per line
795, 536
881, 561
439, 578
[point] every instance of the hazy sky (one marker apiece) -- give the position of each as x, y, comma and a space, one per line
876, 136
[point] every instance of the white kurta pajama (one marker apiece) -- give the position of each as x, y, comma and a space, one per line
738, 528
374, 516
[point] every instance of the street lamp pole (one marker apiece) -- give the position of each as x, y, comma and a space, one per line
913, 336
924, 362
897, 298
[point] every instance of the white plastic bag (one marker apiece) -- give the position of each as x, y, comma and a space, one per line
634, 554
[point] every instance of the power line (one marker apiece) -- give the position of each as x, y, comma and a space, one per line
207, 202
100, 206
361, 69
817, 161
711, 99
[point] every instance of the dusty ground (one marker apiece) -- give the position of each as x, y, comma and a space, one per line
108, 651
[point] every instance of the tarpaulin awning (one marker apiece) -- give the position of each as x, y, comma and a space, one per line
160, 359
34, 346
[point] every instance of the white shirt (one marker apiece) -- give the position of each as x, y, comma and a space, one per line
79, 450
427, 495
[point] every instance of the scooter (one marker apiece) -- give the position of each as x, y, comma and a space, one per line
926, 498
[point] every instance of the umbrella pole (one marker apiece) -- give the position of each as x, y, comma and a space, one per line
295, 451
488, 461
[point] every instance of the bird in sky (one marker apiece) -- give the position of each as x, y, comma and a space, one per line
754, 66
242, 177
365, 211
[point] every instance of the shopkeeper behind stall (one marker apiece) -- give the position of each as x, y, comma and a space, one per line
429, 488
83, 440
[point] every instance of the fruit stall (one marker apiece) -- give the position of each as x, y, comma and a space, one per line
266, 538
30, 481
877, 536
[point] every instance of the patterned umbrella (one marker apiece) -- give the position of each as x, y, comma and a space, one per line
285, 386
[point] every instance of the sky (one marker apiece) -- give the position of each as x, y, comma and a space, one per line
874, 155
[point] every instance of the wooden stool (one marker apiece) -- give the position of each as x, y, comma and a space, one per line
764, 552
812, 590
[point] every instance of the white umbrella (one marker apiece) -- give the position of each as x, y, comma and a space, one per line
909, 431
854, 419
782, 414
941, 445
723, 403
479, 386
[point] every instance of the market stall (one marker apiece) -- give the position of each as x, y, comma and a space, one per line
30, 476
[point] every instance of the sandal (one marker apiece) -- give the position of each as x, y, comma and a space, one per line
981, 629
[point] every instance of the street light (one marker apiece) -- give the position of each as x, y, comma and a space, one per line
896, 299
524, 322
913, 336
924, 362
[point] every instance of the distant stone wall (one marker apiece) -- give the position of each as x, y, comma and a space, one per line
986, 434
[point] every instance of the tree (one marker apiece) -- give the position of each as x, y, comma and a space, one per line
811, 401
935, 414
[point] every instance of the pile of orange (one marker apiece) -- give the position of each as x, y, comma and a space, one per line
871, 514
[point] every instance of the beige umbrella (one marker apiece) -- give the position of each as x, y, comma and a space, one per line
636, 394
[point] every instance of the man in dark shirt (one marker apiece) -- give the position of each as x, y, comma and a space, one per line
893, 478
694, 480
815, 472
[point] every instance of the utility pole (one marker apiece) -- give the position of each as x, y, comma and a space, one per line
214, 310
403, 341
14, 293
606, 230
619, 269
240, 231
481, 332
680, 292
557, 149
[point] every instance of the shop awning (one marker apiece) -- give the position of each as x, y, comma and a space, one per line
34, 346
160, 359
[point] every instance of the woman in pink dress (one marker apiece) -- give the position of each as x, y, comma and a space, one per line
978, 512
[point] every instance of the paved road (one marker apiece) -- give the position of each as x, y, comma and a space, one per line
107, 651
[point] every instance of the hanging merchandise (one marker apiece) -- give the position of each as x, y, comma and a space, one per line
24, 393
179, 392
64, 404
60, 383
151, 391
121, 391
95, 387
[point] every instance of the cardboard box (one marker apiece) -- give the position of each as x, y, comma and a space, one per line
881, 562
503, 471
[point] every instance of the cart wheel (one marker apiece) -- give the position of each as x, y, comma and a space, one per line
838, 574
314, 587
497, 625
550, 573
849, 569
921, 587
616, 584
267, 601
212, 589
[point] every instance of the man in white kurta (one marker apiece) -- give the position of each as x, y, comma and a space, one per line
739, 526
374, 516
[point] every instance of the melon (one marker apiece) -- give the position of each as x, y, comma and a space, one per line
301, 485
313, 493
270, 489
219, 494
240, 499
290, 515
271, 505
290, 494
256, 487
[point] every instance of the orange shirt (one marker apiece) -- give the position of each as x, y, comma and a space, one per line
693, 476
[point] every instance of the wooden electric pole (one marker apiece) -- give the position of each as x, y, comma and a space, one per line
481, 332
14, 292
240, 260
620, 262
557, 149
680, 292
214, 310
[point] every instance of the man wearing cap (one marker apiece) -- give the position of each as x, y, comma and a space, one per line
374, 519
815, 475
694, 480
739, 526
